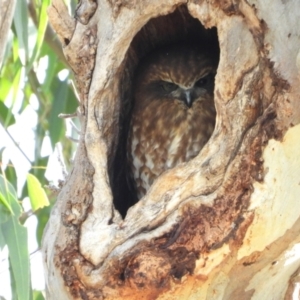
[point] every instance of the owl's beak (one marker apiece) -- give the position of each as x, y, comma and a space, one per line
188, 98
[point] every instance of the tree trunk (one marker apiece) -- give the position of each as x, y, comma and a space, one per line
6, 16
222, 226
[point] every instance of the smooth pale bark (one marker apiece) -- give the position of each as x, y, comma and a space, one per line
225, 225
6, 16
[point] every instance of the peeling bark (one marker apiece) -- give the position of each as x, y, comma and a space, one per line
222, 226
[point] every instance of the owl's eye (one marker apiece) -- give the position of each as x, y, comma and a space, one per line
204, 81
168, 86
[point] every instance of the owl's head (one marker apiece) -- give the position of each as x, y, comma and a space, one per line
182, 73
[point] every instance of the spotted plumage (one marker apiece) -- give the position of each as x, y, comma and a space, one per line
173, 115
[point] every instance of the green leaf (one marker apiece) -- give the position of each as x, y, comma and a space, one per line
56, 126
6, 118
16, 84
5, 86
8, 197
15, 236
37, 295
10, 174
15, 49
12, 282
72, 102
9, 83
9, 205
43, 217
5, 203
37, 194
39, 169
54, 66
21, 26
2, 240
42, 25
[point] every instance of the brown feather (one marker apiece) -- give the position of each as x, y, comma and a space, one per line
164, 131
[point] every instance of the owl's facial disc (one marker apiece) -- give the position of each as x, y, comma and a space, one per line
189, 96
168, 87
193, 92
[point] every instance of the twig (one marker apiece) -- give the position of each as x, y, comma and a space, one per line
16, 144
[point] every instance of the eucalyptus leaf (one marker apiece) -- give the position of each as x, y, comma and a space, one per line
16, 239
15, 236
42, 25
6, 118
60, 91
21, 26
8, 197
2, 240
37, 195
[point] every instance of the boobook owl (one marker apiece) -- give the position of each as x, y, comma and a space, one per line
173, 114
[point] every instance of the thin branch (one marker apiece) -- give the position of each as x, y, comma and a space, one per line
67, 116
72, 139
17, 145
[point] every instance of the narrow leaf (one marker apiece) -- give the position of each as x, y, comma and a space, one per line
5, 86
37, 194
60, 91
42, 25
6, 118
2, 240
37, 295
21, 25
8, 196
15, 236
5, 203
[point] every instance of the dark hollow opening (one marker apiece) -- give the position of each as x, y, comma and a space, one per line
178, 27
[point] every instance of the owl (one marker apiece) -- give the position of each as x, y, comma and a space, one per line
173, 114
